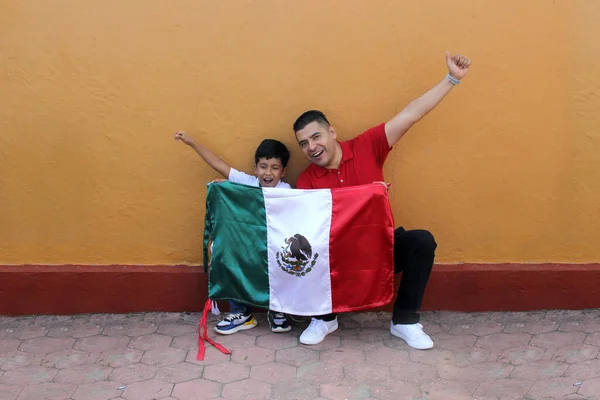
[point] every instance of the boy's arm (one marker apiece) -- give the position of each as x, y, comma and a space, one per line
211, 158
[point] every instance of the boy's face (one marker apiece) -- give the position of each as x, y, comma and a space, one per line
269, 171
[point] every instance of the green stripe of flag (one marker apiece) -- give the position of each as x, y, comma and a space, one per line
242, 243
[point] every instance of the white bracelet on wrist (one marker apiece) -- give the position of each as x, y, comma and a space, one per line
452, 79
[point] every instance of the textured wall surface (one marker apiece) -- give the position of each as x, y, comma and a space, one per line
505, 170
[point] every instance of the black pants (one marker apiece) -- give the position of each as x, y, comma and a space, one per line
414, 252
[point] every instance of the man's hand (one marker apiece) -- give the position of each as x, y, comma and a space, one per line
458, 65
181, 135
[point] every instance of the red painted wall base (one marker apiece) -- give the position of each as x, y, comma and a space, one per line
70, 289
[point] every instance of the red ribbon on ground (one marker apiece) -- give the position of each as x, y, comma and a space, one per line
204, 335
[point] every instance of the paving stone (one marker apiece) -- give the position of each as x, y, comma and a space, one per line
176, 329
246, 390
584, 370
503, 389
539, 370
185, 342
77, 331
293, 390
101, 343
29, 332
55, 320
368, 373
135, 329
480, 329
445, 341
164, 356
469, 355
534, 328
484, 372
226, 372
151, 342
133, 373
320, 373
395, 391
580, 326
46, 345
413, 372
273, 372
78, 375
564, 315
180, 372
7, 345
150, 389
211, 356
164, 317
446, 390
198, 389
385, 356
522, 355
277, 341
9, 392
576, 353
502, 341
111, 319
65, 358
26, 376
330, 342
431, 356
590, 388
234, 342
553, 388
15, 359
345, 390
47, 391
342, 356
253, 356
371, 345
593, 339
555, 340
297, 356
120, 357
97, 391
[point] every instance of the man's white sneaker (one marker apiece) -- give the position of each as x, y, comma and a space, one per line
413, 335
317, 330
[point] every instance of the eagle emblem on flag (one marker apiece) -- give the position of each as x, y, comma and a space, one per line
296, 258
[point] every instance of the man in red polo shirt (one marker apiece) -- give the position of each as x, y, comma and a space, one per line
360, 161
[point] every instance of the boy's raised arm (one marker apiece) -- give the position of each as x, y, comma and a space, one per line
211, 158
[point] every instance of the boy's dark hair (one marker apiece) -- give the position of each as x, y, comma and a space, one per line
270, 148
308, 117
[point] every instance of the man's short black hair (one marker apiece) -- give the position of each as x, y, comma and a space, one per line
270, 148
308, 117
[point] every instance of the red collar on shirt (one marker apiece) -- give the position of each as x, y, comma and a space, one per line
347, 154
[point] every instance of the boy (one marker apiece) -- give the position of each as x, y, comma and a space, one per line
270, 161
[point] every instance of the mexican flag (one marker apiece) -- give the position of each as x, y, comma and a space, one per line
301, 252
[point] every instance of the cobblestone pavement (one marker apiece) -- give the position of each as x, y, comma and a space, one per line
534, 355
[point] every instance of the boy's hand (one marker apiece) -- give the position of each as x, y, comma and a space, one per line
458, 65
181, 135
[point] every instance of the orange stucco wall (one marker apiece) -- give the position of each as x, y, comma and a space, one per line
505, 170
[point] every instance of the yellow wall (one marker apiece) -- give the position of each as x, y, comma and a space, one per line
505, 170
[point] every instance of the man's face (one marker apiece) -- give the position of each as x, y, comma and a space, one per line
318, 143
269, 171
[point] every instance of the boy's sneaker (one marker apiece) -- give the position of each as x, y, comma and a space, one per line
236, 322
413, 335
317, 330
278, 322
